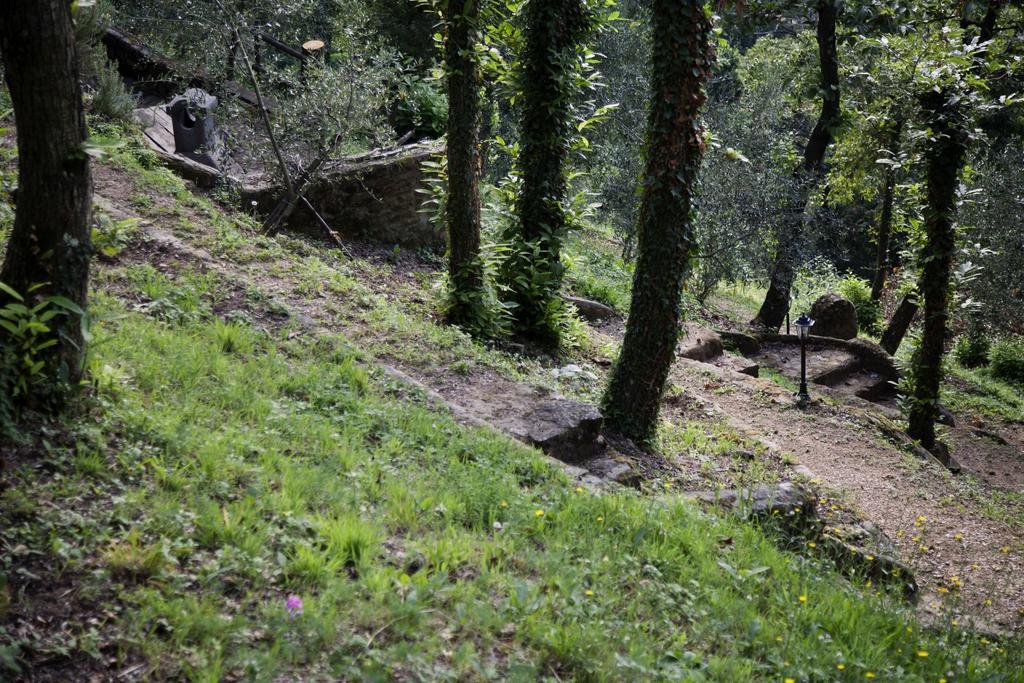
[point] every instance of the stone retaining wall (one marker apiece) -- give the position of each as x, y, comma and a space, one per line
371, 196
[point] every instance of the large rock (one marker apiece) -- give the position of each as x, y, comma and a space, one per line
864, 550
591, 311
834, 316
565, 429
791, 506
699, 343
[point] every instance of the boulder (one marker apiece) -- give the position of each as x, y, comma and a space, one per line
792, 506
611, 469
565, 429
834, 316
592, 311
864, 550
699, 343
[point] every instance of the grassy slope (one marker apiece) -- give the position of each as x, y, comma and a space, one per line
218, 469
249, 468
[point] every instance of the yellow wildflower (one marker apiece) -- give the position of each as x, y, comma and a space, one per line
922, 653
538, 513
802, 598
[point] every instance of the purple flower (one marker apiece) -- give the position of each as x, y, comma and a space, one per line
293, 606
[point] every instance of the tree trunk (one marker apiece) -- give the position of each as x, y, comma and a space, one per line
462, 207
553, 32
680, 59
882, 264
792, 231
944, 157
50, 241
899, 324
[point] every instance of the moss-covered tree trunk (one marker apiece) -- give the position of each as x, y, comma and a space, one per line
807, 176
49, 243
462, 206
680, 63
944, 157
533, 272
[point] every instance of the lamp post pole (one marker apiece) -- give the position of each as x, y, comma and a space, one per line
803, 328
803, 396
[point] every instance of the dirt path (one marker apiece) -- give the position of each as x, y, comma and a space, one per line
940, 522
944, 526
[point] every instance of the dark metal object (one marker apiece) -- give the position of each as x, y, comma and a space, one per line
193, 126
803, 328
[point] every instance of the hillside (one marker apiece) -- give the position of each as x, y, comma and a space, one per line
269, 418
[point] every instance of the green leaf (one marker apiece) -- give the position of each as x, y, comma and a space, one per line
10, 292
66, 304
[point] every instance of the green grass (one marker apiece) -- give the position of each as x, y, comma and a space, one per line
247, 468
779, 378
596, 269
738, 300
976, 391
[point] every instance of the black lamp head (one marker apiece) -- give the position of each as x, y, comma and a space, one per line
803, 325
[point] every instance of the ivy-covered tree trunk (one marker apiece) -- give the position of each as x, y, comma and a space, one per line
680, 64
49, 243
882, 263
462, 206
944, 156
807, 176
533, 272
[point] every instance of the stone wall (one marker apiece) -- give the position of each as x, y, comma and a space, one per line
371, 196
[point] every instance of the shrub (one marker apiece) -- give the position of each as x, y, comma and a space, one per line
1007, 360
972, 347
25, 333
420, 106
858, 292
111, 100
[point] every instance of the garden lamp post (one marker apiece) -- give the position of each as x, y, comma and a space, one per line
803, 329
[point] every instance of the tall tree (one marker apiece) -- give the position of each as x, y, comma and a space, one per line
944, 158
554, 31
681, 58
49, 244
946, 121
807, 175
462, 206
